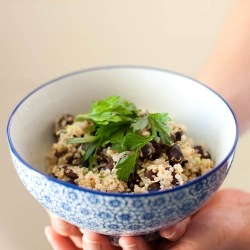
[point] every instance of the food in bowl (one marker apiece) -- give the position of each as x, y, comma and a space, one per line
117, 147
121, 213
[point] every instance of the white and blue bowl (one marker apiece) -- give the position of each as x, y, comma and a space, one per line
207, 116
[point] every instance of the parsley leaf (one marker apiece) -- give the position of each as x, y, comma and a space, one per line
112, 109
126, 166
85, 139
158, 125
134, 141
112, 132
89, 149
140, 123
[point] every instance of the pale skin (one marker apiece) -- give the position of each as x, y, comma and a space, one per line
224, 222
227, 69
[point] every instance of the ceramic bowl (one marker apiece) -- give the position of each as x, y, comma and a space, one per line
207, 116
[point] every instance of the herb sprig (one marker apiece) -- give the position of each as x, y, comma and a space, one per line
117, 123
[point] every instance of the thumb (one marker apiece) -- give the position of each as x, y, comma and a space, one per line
198, 236
175, 232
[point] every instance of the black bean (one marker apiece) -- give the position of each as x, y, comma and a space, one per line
174, 154
198, 149
149, 174
174, 181
101, 156
173, 137
69, 159
62, 122
134, 178
204, 154
150, 151
70, 174
60, 154
178, 135
154, 187
157, 150
99, 150
109, 166
184, 163
146, 151
66, 119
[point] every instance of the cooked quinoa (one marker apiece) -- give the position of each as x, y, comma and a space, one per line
157, 167
156, 170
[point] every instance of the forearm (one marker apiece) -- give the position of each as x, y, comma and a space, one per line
228, 68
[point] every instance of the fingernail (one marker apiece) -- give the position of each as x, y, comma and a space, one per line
168, 235
47, 233
83, 231
92, 245
130, 247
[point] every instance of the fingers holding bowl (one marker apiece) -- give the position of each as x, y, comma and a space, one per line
58, 241
66, 230
177, 231
95, 241
133, 243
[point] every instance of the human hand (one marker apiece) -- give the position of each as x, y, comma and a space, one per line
65, 236
222, 224
62, 235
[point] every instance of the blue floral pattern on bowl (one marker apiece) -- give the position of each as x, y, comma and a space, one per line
118, 214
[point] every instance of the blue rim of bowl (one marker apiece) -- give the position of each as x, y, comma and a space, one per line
73, 186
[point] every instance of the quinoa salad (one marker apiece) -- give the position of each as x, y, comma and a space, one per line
117, 147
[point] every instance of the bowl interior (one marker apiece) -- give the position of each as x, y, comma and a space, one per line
208, 118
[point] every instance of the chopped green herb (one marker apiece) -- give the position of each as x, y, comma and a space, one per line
90, 149
133, 141
117, 123
89, 138
140, 123
126, 166
158, 125
112, 109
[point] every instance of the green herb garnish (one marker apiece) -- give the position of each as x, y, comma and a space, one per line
133, 143
158, 125
117, 122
